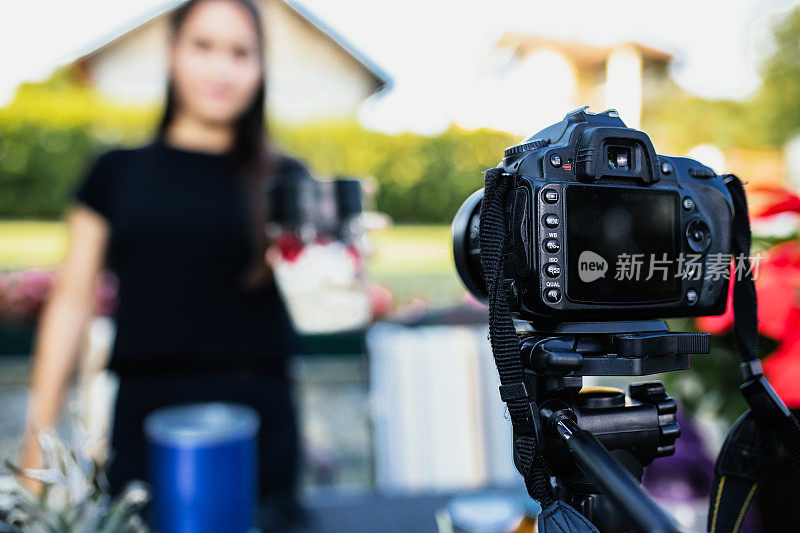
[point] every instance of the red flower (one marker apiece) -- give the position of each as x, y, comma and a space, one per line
289, 246
783, 201
777, 286
718, 324
782, 367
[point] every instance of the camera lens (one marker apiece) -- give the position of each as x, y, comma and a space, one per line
619, 158
466, 245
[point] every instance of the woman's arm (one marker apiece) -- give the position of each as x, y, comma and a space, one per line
62, 326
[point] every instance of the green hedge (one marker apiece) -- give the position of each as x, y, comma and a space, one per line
38, 167
48, 136
51, 131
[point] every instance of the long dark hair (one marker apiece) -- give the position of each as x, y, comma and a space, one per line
249, 154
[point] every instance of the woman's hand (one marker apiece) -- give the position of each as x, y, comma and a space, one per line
61, 328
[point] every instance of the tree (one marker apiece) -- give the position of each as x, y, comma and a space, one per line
778, 100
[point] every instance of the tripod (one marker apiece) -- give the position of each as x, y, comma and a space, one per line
596, 441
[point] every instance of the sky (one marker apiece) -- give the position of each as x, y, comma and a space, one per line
428, 45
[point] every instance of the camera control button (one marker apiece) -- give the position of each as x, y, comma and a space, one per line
691, 296
698, 236
552, 295
550, 196
702, 172
551, 220
555, 160
688, 204
666, 167
552, 245
552, 270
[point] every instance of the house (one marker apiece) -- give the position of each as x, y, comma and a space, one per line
313, 73
528, 81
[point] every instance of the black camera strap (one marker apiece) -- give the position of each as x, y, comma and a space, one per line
556, 515
750, 450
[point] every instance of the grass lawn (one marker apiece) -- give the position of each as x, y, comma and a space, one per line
412, 261
416, 262
32, 244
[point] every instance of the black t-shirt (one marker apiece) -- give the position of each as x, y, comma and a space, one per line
180, 242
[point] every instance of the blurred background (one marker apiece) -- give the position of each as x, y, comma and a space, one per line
416, 99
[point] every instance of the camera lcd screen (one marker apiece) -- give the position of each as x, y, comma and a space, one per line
622, 244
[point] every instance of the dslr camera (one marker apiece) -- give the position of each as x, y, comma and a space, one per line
601, 227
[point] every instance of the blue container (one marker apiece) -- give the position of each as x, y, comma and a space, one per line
202, 465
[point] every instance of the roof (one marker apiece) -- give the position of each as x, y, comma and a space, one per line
383, 79
583, 54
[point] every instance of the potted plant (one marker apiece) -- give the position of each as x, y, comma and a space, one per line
73, 496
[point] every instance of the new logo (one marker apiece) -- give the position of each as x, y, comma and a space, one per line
591, 266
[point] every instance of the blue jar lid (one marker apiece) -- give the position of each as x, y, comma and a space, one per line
201, 424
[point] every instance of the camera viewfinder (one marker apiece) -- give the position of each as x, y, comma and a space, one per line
619, 158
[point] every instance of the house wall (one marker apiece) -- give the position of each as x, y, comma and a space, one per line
309, 76
623, 85
527, 82
522, 92
656, 82
132, 69
515, 98
592, 82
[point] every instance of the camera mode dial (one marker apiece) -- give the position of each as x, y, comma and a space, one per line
524, 147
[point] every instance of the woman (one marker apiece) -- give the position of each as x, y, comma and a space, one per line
181, 223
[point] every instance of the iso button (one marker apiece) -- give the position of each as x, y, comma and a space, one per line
552, 270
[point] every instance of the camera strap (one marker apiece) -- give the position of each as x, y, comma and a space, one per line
750, 450
556, 515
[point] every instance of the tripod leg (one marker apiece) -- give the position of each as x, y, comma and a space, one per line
615, 482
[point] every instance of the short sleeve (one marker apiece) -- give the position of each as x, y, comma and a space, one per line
94, 191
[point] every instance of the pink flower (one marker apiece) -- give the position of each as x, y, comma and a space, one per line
380, 299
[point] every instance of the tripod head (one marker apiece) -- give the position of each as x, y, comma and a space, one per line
596, 439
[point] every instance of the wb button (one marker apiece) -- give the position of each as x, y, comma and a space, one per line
552, 246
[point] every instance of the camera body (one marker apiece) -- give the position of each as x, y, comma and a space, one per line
600, 227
